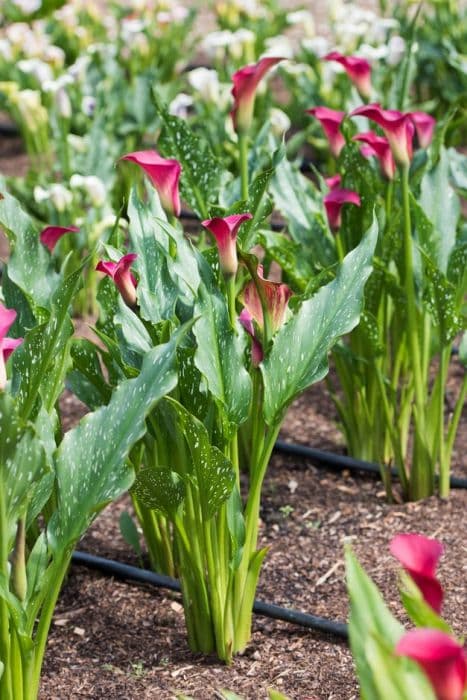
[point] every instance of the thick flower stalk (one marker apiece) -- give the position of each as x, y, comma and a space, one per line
419, 557
7, 345
245, 82
379, 147
50, 235
225, 231
164, 174
122, 276
441, 658
334, 201
330, 120
358, 70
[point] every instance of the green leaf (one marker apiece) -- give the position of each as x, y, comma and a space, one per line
130, 532
91, 460
259, 204
220, 353
41, 362
159, 489
289, 255
275, 695
201, 171
463, 350
29, 266
441, 206
298, 356
86, 380
369, 617
439, 296
417, 608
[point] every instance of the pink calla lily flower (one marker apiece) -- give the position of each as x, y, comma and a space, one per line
358, 70
277, 297
424, 127
7, 345
245, 82
330, 120
225, 232
440, 656
121, 275
419, 557
398, 129
164, 174
334, 201
246, 319
333, 182
52, 234
379, 147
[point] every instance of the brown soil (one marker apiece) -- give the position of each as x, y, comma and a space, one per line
115, 640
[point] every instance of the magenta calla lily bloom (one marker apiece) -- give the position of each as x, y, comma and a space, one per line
419, 557
245, 82
330, 120
225, 232
52, 234
398, 129
7, 345
333, 182
164, 174
440, 656
379, 147
277, 297
121, 275
334, 201
424, 126
246, 319
358, 70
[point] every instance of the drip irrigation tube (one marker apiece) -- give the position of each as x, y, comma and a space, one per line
9, 130
134, 573
341, 462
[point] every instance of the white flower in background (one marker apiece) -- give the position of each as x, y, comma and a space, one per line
336, 10
243, 42
55, 85
40, 194
177, 14
380, 28
319, 46
215, 44
77, 143
55, 56
95, 189
251, 8
78, 69
60, 197
141, 44
67, 16
348, 34
205, 82
18, 33
63, 103
280, 122
5, 50
41, 71
180, 105
28, 6
296, 69
88, 105
76, 181
278, 46
396, 50
373, 53
130, 28
304, 19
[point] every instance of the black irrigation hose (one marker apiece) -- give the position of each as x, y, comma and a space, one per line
9, 130
134, 573
341, 462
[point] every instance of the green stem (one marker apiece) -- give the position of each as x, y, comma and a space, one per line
5, 651
243, 162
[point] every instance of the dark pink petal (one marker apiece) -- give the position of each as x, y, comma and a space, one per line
277, 297
440, 656
424, 126
257, 354
225, 232
7, 318
419, 557
379, 147
164, 174
52, 234
398, 129
245, 81
333, 182
334, 201
330, 120
122, 276
358, 70
9, 345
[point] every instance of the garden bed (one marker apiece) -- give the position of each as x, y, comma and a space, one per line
117, 640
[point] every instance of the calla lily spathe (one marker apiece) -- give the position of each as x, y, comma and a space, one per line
330, 120
122, 276
164, 174
7, 345
277, 296
245, 82
246, 319
397, 126
378, 146
358, 70
225, 232
50, 235
334, 201
419, 556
